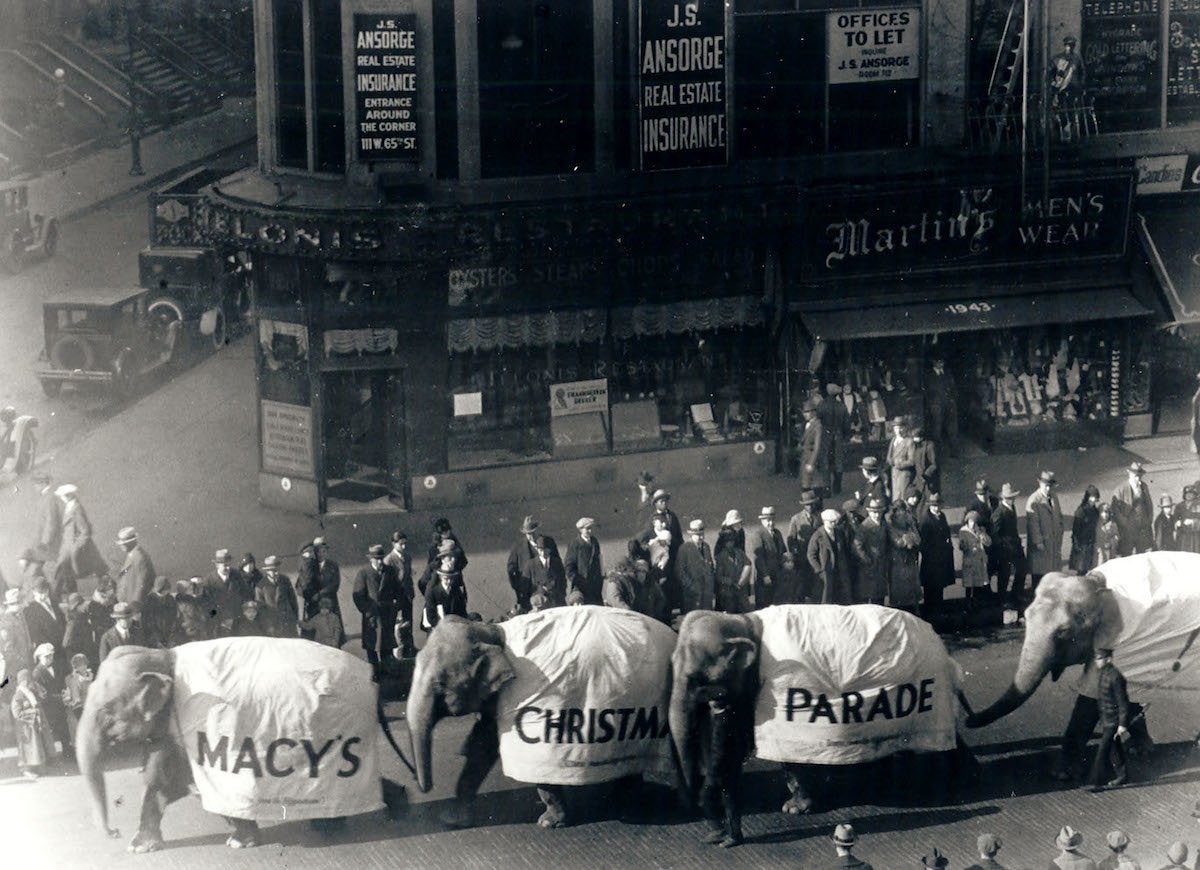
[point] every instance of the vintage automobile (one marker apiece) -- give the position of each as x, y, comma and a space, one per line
22, 234
209, 294
106, 337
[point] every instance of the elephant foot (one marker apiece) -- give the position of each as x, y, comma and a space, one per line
241, 842
143, 842
552, 819
458, 816
797, 806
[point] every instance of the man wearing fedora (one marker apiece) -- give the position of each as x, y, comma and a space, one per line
872, 485
400, 560
661, 500
136, 577
800, 531
1044, 529
697, 570
765, 547
123, 632
899, 459
532, 547
987, 845
843, 843
220, 606
1133, 510
585, 570
871, 556
1070, 858
1009, 551
937, 554
814, 451
375, 589
277, 598
329, 574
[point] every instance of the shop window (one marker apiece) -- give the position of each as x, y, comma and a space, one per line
310, 117
536, 80
445, 90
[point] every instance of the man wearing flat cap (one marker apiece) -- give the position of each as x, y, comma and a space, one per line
829, 557
765, 547
843, 842
1044, 528
585, 571
136, 577
1133, 510
375, 589
987, 845
697, 570
872, 485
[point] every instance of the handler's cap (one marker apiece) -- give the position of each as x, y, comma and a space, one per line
122, 610
696, 526
376, 551
1007, 491
66, 489
660, 494
870, 463
584, 523
319, 542
988, 844
127, 535
1136, 468
767, 513
529, 524
222, 557
808, 497
1177, 852
843, 835
1117, 840
43, 649
733, 517
271, 562
829, 515
1068, 838
1047, 477
875, 503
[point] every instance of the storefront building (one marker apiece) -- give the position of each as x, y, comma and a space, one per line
520, 246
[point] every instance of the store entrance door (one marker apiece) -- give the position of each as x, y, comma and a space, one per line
363, 437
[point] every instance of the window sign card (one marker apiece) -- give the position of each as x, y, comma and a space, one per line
468, 404
873, 45
287, 439
385, 87
579, 397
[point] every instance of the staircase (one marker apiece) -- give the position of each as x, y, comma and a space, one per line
1005, 81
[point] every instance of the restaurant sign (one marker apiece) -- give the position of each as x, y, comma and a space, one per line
938, 225
682, 83
385, 87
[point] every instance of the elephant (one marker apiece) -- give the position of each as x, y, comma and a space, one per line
1146, 608
165, 701
805, 685
565, 696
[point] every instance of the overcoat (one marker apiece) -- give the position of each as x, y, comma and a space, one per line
1043, 532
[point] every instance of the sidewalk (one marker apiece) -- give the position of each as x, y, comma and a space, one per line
103, 176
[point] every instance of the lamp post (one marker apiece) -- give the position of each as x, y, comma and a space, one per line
135, 132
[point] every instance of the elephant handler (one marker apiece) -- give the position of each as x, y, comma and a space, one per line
1113, 704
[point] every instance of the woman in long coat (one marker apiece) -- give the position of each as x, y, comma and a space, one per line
905, 540
973, 541
1083, 532
733, 573
35, 742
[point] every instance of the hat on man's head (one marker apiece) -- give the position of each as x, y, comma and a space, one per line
399, 535
446, 548
584, 523
1070, 40
248, 559
1136, 468
529, 524
1166, 501
1117, 840
767, 512
733, 517
808, 497
43, 649
271, 562
12, 597
933, 498
899, 421
988, 844
320, 542
911, 492
441, 524
870, 463
935, 861
850, 506
1068, 838
1007, 491
829, 515
1177, 852
222, 557
660, 493
376, 551
1047, 477
981, 485
122, 610
127, 535
696, 526
875, 503
66, 489
843, 835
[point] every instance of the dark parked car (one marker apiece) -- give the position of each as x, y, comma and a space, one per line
22, 234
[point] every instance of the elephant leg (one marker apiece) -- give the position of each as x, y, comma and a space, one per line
1140, 743
731, 804
800, 801
555, 815
167, 775
481, 749
245, 833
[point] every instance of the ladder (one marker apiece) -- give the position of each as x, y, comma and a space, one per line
1006, 75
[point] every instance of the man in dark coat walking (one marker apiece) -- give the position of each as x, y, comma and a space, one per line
585, 573
1113, 703
927, 476
829, 557
697, 570
1010, 554
872, 485
136, 577
937, 554
375, 587
401, 562
48, 541
765, 547
1133, 510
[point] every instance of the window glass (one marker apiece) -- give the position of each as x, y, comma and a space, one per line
291, 121
330, 141
779, 89
535, 87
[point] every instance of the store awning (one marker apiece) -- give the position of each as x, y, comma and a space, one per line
1172, 245
970, 314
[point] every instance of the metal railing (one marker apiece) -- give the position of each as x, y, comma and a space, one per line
995, 125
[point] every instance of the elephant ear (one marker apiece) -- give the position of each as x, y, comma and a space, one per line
491, 670
153, 693
1110, 621
739, 653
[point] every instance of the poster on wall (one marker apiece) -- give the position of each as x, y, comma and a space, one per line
875, 45
1119, 44
1183, 65
287, 446
385, 87
578, 397
681, 84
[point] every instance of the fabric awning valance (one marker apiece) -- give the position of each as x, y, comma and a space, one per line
526, 330
1172, 245
696, 315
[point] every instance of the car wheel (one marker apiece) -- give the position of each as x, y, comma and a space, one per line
219, 336
71, 352
51, 388
166, 328
50, 238
26, 452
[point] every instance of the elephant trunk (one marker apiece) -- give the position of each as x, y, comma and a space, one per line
679, 717
421, 719
1036, 661
89, 748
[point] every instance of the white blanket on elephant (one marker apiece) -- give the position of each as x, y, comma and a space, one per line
590, 698
278, 729
1158, 595
842, 685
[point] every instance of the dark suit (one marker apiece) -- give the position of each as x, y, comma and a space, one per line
375, 597
829, 557
52, 685
937, 557
765, 550
136, 578
928, 474
869, 489
521, 570
1010, 555
1134, 513
278, 601
1112, 701
584, 571
45, 626
112, 639
697, 574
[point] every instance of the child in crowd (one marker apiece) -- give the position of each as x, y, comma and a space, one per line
1164, 524
77, 684
973, 541
35, 742
326, 626
1107, 536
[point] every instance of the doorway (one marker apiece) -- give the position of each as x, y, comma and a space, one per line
363, 439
